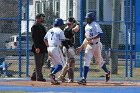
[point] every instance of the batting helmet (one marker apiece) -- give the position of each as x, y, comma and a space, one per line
58, 22
91, 15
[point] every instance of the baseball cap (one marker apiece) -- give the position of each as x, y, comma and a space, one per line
39, 16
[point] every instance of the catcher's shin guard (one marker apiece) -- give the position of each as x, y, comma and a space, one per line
71, 70
71, 74
64, 71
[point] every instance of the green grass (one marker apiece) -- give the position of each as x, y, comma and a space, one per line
95, 71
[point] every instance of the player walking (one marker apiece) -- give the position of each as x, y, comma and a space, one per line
53, 39
68, 50
93, 46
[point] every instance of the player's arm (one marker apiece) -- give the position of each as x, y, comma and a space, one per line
76, 28
64, 43
99, 31
46, 40
35, 37
79, 49
98, 35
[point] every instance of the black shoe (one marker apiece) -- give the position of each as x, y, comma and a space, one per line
108, 76
52, 77
82, 82
53, 81
42, 80
33, 79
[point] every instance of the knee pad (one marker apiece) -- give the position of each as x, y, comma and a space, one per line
72, 64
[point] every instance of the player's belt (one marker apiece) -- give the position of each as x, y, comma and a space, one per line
93, 43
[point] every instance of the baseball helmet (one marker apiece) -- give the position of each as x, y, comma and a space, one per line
91, 15
58, 22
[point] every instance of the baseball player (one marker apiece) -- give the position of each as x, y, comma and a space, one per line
93, 46
53, 39
69, 51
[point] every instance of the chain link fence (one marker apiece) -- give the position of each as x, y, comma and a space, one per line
114, 16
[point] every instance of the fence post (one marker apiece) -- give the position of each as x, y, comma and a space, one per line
81, 35
19, 31
126, 46
27, 38
131, 42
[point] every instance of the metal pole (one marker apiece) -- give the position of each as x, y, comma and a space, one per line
81, 35
126, 46
27, 38
131, 42
115, 36
19, 37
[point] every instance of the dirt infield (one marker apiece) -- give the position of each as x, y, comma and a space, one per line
89, 84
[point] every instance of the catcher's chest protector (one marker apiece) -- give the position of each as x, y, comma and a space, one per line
68, 33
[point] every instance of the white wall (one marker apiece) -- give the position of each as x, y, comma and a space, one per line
107, 15
31, 17
76, 9
63, 9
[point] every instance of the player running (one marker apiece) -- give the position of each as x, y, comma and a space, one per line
53, 39
93, 46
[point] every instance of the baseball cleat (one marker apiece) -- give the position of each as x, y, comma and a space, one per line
70, 81
82, 82
108, 76
62, 78
52, 77
55, 82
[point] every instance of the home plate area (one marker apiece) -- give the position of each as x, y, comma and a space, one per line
64, 84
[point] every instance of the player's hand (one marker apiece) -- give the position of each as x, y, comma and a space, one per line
76, 28
37, 50
78, 50
89, 41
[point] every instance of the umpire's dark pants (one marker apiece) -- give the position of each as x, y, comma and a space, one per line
39, 61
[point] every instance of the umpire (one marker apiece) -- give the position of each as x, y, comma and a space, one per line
39, 48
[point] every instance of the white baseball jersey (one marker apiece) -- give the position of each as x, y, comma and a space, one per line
95, 48
92, 30
54, 37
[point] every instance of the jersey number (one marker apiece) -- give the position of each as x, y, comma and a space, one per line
52, 35
90, 34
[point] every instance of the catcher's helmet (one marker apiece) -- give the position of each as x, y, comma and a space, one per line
91, 15
58, 22
71, 20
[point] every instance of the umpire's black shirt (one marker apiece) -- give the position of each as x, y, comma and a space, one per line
38, 32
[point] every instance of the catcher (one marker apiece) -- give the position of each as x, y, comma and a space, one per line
68, 50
